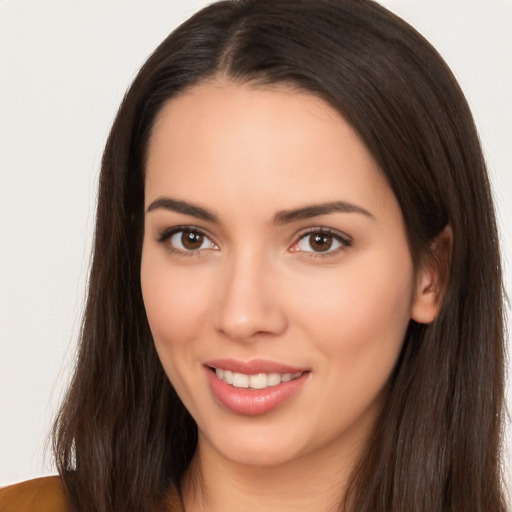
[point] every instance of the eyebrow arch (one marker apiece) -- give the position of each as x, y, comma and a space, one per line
175, 205
285, 216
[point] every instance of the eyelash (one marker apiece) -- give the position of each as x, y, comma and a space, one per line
165, 237
344, 241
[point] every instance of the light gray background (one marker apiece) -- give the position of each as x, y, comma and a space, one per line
64, 67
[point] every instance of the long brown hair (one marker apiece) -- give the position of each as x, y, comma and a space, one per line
123, 437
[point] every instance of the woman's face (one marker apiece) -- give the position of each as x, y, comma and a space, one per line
275, 256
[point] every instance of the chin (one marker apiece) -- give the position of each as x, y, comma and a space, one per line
254, 447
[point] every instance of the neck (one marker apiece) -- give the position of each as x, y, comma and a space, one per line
312, 482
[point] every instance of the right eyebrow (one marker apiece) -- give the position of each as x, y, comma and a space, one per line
316, 210
175, 205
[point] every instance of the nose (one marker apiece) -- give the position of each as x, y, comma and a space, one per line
249, 301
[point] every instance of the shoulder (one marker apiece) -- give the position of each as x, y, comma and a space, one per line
47, 494
39, 495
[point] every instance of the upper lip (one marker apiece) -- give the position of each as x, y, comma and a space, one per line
252, 367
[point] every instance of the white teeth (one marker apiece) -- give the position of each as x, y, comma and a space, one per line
240, 380
258, 381
274, 379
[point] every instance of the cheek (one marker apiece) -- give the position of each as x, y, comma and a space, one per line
175, 304
361, 316
176, 308
359, 323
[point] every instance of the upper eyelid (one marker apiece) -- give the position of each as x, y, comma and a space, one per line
329, 231
168, 232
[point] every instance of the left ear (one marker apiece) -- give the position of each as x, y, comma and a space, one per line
432, 278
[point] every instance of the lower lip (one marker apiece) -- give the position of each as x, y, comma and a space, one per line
252, 402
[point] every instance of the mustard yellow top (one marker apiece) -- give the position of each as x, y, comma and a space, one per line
47, 494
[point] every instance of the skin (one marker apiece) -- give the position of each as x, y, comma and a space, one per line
256, 289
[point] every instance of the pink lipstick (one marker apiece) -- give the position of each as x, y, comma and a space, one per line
254, 387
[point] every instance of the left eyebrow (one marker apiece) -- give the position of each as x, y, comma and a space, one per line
175, 205
314, 210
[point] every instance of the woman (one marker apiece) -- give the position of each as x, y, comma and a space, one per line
295, 297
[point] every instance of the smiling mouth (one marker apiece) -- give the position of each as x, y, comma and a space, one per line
256, 381
253, 387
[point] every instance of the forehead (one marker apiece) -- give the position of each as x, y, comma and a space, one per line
219, 140
216, 107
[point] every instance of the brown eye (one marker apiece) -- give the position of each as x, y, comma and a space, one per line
320, 242
187, 241
191, 240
